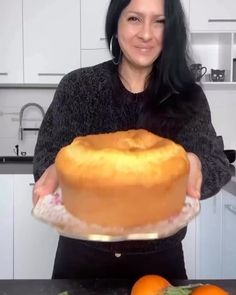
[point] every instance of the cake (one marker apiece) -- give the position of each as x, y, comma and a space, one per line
123, 179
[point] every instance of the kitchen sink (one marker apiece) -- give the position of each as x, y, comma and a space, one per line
15, 159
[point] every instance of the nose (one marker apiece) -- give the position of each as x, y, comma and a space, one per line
145, 32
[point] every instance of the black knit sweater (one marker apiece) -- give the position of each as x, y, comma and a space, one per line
93, 100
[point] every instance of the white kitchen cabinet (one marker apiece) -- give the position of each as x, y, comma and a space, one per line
51, 39
234, 59
228, 245
213, 42
209, 228
189, 248
11, 49
34, 242
6, 227
216, 238
94, 48
213, 15
93, 14
94, 56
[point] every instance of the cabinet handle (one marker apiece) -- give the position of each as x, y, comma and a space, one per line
31, 184
102, 38
231, 208
51, 74
221, 20
3, 74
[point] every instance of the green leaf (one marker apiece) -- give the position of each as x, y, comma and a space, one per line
181, 290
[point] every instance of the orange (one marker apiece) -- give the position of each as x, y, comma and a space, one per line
209, 290
150, 285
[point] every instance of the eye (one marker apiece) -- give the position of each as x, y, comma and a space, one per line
133, 19
160, 21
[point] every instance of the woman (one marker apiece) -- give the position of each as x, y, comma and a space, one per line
147, 85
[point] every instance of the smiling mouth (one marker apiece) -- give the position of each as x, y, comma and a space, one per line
144, 49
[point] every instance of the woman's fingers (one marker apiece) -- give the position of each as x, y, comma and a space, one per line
195, 176
47, 183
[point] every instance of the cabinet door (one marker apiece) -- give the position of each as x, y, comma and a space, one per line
93, 57
93, 15
51, 39
213, 15
189, 247
209, 233
228, 268
34, 242
6, 227
11, 49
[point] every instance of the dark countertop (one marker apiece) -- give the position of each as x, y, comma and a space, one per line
16, 168
27, 168
88, 287
16, 164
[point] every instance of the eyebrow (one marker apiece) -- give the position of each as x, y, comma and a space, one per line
142, 14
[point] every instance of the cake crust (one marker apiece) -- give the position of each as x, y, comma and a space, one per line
126, 178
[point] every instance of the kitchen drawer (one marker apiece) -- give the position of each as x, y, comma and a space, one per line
213, 15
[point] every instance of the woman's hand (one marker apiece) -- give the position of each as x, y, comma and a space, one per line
195, 176
46, 184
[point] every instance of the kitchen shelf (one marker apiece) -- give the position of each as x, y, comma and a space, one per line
219, 83
223, 86
214, 50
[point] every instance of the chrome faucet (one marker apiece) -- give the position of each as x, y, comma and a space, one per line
31, 104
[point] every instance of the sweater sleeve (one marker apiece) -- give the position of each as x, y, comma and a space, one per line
56, 130
199, 137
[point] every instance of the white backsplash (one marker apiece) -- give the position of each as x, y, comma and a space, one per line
11, 101
222, 101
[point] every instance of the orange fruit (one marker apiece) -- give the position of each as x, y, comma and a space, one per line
209, 290
150, 285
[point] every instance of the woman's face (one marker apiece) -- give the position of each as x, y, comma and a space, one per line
140, 32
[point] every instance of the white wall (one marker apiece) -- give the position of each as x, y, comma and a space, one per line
221, 98
11, 101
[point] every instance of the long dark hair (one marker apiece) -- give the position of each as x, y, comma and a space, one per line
170, 71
